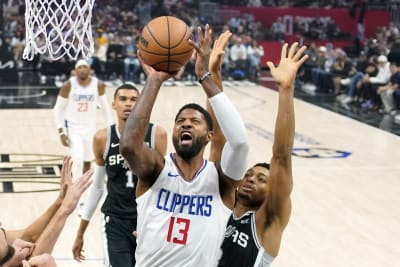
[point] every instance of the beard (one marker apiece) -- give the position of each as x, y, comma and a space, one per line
188, 152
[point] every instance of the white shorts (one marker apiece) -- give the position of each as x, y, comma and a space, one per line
81, 140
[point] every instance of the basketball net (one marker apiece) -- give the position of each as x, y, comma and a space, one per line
58, 28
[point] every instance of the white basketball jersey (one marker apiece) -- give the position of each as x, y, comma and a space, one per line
82, 102
181, 223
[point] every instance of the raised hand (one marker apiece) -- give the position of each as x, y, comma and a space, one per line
218, 51
285, 73
203, 50
150, 71
65, 177
75, 190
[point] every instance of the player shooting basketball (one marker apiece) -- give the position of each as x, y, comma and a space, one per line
181, 196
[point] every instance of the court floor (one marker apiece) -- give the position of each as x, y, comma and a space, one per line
346, 195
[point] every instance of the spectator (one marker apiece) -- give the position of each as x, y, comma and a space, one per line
388, 91
238, 56
278, 29
254, 52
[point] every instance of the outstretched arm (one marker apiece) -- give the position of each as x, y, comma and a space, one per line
235, 152
59, 112
48, 238
215, 65
146, 163
95, 192
279, 203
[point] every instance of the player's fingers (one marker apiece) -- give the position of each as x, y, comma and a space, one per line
284, 50
292, 49
195, 46
271, 66
302, 60
299, 53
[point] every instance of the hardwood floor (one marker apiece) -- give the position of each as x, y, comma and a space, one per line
346, 197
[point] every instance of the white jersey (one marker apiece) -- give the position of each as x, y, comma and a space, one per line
82, 102
181, 223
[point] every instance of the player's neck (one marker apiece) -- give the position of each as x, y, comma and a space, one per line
242, 206
120, 126
240, 210
189, 168
84, 81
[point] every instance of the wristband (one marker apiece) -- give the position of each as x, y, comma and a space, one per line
205, 75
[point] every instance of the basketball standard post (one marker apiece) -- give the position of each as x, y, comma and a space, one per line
58, 28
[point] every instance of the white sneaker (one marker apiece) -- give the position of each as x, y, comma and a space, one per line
345, 81
340, 97
397, 119
346, 100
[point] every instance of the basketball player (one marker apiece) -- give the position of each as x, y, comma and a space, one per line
184, 200
44, 231
75, 114
263, 205
119, 206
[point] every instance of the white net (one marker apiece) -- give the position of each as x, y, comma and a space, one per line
58, 28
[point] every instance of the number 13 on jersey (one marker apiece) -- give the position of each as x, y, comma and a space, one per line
178, 230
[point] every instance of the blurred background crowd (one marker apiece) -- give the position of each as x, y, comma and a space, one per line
358, 69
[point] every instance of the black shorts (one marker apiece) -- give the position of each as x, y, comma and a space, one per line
120, 241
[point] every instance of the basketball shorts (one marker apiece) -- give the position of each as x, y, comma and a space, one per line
81, 140
121, 244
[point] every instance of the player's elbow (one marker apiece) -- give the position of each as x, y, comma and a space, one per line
242, 146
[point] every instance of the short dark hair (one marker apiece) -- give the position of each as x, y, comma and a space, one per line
262, 164
200, 109
125, 86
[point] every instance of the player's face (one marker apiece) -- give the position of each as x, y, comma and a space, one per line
190, 134
254, 186
82, 72
124, 101
9, 252
3, 244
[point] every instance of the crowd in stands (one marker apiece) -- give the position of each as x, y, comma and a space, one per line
356, 75
368, 77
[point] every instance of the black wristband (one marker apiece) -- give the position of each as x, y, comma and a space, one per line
205, 75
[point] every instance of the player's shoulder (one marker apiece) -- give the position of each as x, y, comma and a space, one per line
159, 129
100, 135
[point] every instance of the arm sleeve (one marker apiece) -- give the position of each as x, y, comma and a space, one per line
234, 158
59, 111
108, 119
95, 193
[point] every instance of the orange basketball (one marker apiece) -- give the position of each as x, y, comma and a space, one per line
164, 44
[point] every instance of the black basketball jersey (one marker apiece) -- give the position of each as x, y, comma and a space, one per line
121, 182
241, 247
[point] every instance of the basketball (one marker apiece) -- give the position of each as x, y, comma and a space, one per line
164, 44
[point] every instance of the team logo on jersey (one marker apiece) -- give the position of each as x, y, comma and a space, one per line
245, 221
229, 230
171, 174
83, 98
114, 145
29, 173
199, 205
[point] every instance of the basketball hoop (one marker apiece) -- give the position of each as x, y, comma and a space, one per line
58, 28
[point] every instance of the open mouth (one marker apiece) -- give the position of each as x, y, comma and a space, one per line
247, 187
186, 138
